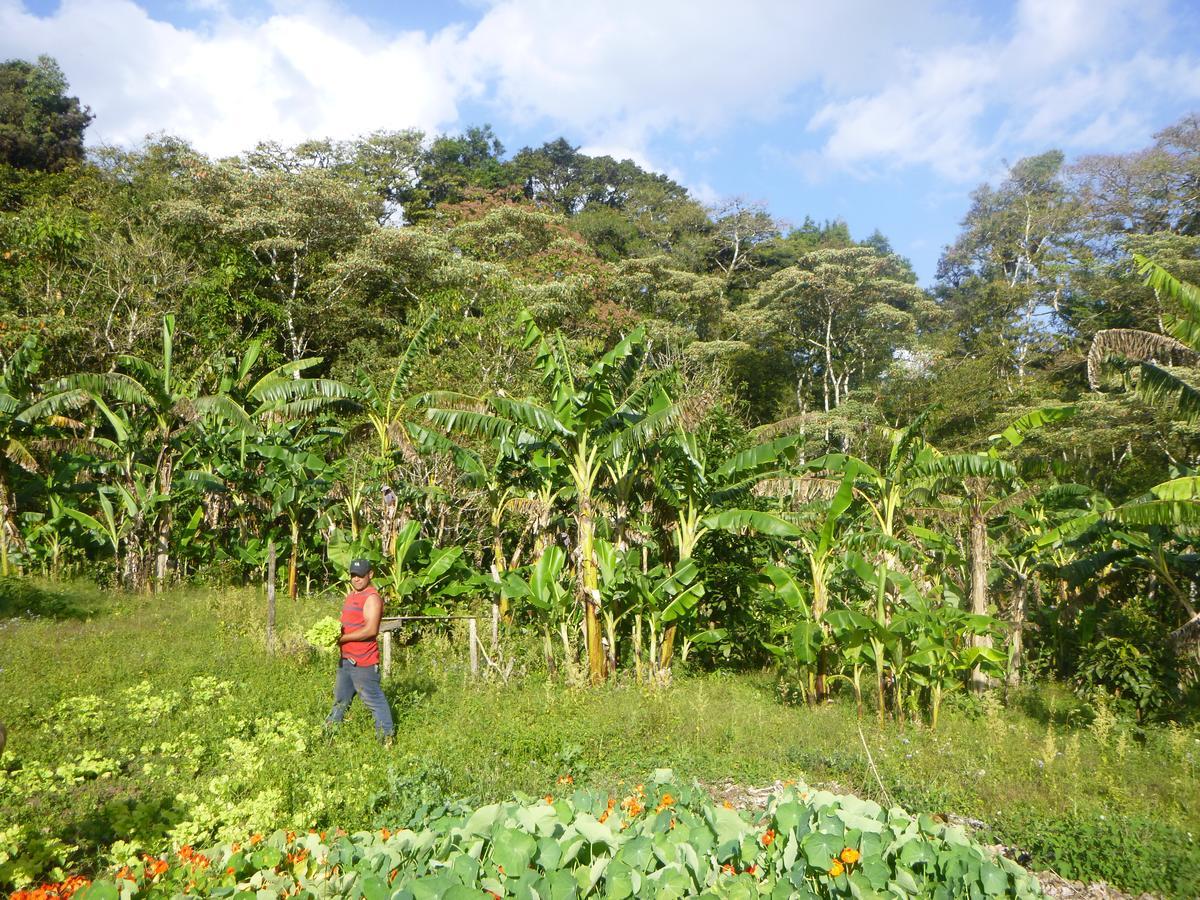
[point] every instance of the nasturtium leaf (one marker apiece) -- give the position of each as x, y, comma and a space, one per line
374, 888
861, 887
549, 854
788, 815
876, 871
906, 879
462, 892
561, 886
513, 850
918, 852
99, 890
618, 881
482, 819
820, 849
594, 831
994, 880
637, 853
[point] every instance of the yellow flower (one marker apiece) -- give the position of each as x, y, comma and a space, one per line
850, 856
836, 869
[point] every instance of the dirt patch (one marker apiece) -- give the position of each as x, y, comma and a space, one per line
754, 799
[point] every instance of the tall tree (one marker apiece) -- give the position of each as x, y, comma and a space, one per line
41, 127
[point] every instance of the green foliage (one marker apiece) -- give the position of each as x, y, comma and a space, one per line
219, 741
671, 839
1140, 854
41, 128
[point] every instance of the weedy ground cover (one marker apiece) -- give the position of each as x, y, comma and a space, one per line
159, 723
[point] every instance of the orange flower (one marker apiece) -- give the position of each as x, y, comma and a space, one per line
666, 802
566, 779
186, 852
235, 847
549, 798
727, 804
768, 837
850, 856
125, 874
384, 833
836, 869
291, 836
612, 801
155, 867
751, 869
230, 870
728, 869
298, 857
322, 835
255, 840
603, 817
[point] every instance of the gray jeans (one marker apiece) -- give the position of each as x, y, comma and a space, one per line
363, 681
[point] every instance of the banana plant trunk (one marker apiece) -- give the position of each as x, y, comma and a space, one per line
687, 535
163, 527
979, 588
3, 530
294, 561
589, 584
1017, 641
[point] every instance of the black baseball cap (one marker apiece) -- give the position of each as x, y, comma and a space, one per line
360, 567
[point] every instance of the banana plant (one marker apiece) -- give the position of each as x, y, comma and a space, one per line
1151, 351
1146, 531
586, 424
541, 586
294, 481
695, 488
945, 650
818, 543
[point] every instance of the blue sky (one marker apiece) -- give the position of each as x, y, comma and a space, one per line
884, 114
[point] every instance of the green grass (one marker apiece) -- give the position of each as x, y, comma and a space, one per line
188, 732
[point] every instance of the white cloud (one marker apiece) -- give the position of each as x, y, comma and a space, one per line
1072, 73
880, 85
311, 72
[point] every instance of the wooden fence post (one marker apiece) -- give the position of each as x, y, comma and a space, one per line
473, 638
387, 654
270, 596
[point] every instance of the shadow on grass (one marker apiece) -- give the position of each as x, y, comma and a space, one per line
29, 598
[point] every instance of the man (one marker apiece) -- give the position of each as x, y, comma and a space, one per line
358, 667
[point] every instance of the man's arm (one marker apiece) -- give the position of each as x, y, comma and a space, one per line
372, 613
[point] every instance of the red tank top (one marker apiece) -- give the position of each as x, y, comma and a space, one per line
364, 653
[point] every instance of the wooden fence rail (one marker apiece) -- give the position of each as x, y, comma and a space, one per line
388, 624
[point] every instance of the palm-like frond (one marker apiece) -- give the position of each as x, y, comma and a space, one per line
471, 422
743, 521
757, 457
1160, 387
1136, 345
1186, 297
1157, 512
227, 409
649, 428
964, 465
408, 360
536, 418
18, 452
1020, 429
